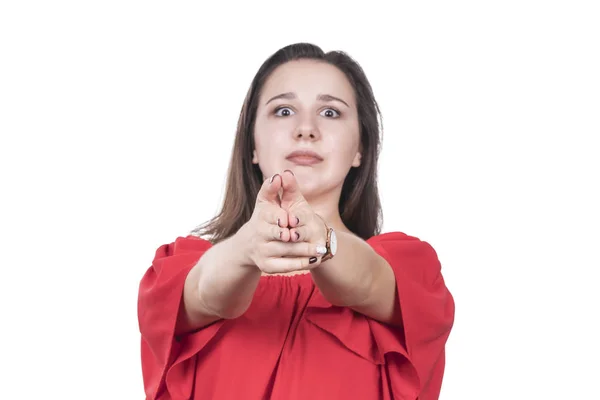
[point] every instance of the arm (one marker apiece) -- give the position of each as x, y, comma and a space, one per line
359, 278
220, 285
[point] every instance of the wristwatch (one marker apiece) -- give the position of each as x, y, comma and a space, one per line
330, 244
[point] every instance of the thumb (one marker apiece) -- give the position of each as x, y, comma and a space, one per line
269, 191
291, 191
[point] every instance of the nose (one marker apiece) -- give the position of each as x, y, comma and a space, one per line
307, 130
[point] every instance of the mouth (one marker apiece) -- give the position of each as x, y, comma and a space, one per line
304, 157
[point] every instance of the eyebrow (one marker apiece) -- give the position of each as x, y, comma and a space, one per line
321, 97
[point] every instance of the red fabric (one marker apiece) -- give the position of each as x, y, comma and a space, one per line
292, 343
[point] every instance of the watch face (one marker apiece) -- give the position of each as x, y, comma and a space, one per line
333, 243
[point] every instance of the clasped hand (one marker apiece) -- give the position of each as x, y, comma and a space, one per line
284, 232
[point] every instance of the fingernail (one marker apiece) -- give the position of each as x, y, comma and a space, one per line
273, 177
297, 236
290, 171
278, 224
321, 250
280, 234
297, 221
312, 260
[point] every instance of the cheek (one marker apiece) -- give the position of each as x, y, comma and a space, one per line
271, 141
341, 138
270, 133
342, 149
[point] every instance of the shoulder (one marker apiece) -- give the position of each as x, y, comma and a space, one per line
183, 245
401, 240
401, 250
391, 237
398, 240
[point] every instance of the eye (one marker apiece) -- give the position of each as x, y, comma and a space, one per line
330, 113
284, 112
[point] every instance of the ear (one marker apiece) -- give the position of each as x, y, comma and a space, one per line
357, 159
254, 157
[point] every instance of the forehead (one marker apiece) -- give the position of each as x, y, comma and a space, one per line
310, 78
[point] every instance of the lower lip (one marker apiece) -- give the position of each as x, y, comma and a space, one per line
304, 160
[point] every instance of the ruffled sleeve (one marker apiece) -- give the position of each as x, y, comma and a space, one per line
165, 358
412, 356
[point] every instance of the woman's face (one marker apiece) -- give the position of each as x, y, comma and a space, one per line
307, 122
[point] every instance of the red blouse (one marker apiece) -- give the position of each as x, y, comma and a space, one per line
292, 343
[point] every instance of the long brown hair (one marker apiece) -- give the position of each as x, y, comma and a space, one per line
359, 205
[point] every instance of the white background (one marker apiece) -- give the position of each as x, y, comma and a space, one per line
117, 120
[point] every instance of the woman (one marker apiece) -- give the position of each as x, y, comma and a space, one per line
294, 293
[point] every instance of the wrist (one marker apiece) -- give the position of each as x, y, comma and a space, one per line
243, 245
329, 239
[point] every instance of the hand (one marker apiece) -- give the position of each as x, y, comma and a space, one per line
305, 225
268, 235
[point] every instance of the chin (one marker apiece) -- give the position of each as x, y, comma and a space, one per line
310, 188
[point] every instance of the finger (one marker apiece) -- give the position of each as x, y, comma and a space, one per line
291, 192
271, 232
308, 234
279, 265
300, 215
293, 250
273, 214
301, 234
269, 191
